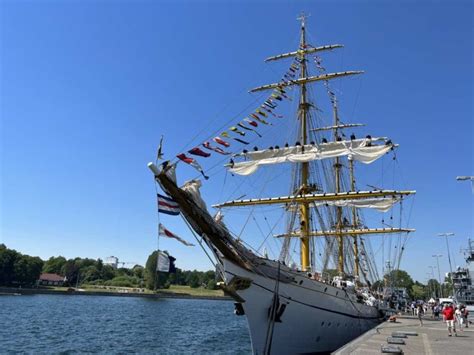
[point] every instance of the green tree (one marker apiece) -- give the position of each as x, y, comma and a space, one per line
399, 278
211, 285
107, 273
71, 271
194, 280
433, 288
7, 264
18, 269
417, 292
138, 271
54, 265
27, 269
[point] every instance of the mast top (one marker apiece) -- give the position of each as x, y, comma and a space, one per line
302, 17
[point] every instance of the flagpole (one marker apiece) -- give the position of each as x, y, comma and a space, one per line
157, 279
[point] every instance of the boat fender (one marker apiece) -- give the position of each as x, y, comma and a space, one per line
238, 309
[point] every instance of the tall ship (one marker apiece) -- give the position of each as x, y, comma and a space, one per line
462, 279
314, 296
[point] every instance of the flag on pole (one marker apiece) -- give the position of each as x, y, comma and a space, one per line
167, 205
166, 233
165, 263
193, 163
159, 153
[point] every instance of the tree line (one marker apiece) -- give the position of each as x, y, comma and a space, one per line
17, 269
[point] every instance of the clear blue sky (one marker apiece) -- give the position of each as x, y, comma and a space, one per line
87, 88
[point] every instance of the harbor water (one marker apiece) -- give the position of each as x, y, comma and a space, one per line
97, 324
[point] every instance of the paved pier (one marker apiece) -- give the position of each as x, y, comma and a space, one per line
432, 338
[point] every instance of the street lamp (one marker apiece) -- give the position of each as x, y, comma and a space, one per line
437, 256
446, 235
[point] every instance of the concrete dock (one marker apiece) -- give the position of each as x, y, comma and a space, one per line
431, 339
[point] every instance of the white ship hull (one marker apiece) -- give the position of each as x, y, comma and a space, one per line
317, 317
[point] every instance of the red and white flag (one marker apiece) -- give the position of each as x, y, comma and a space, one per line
208, 145
166, 233
192, 162
221, 141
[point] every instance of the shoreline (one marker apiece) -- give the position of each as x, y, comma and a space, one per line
4, 291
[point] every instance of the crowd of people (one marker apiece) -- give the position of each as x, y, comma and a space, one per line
451, 314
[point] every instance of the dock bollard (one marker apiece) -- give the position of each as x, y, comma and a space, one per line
413, 334
391, 340
390, 349
399, 335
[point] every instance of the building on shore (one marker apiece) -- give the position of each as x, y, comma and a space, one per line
47, 279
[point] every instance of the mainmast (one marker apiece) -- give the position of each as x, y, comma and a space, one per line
337, 173
303, 112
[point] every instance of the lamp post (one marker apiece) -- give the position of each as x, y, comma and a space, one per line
437, 256
446, 235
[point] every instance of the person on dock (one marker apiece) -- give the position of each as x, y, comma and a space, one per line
459, 316
436, 310
420, 314
465, 315
448, 315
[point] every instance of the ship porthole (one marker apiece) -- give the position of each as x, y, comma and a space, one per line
329, 324
322, 323
325, 289
337, 293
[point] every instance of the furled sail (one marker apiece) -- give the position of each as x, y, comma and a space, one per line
362, 150
380, 204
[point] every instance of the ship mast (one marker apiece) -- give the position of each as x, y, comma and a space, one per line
337, 175
355, 222
304, 198
303, 113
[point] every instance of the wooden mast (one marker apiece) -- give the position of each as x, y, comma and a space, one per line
303, 108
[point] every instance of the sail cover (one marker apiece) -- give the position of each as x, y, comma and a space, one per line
358, 149
380, 204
